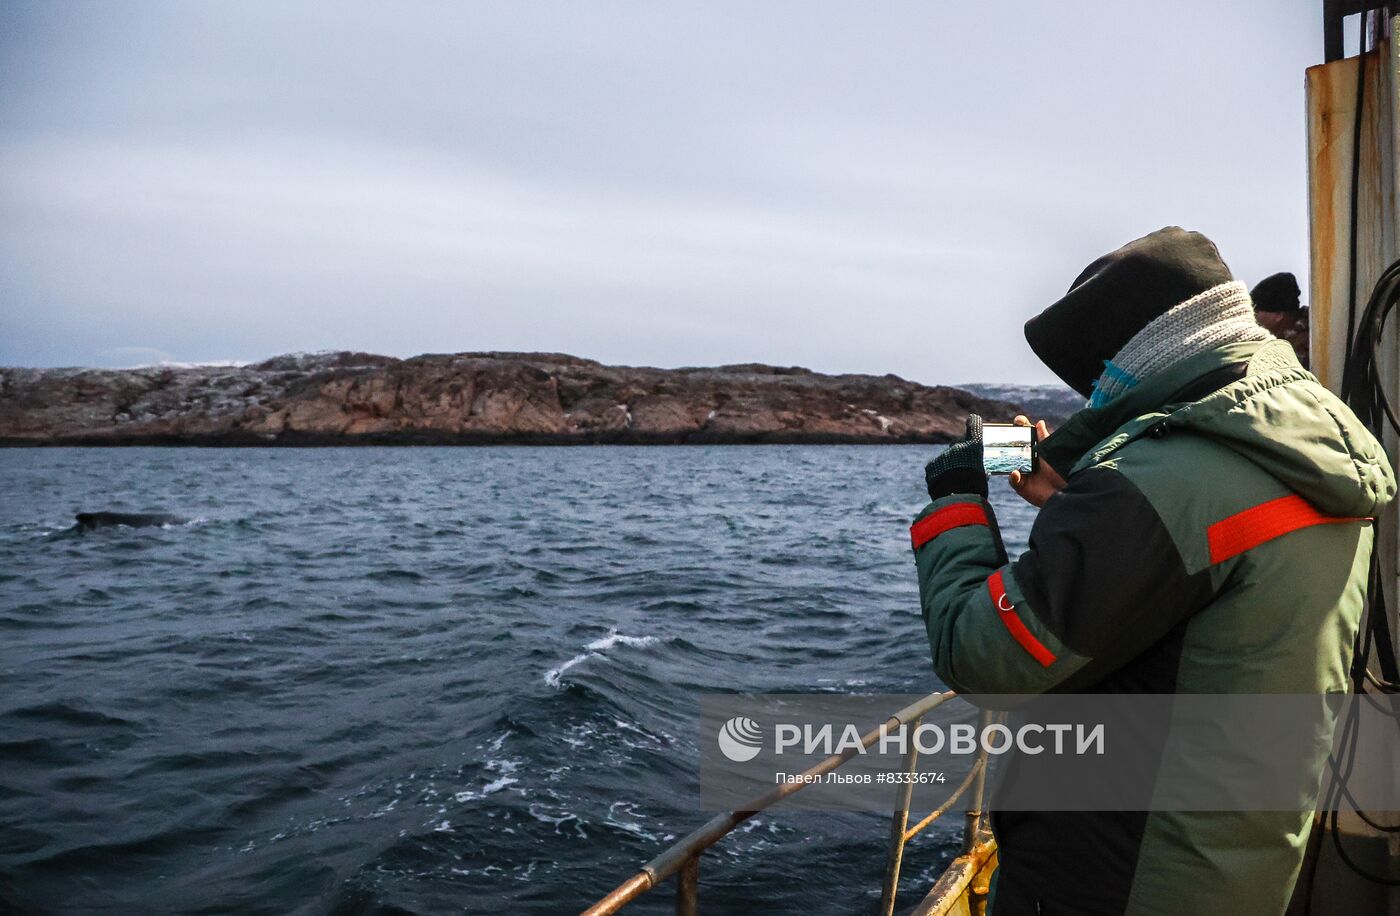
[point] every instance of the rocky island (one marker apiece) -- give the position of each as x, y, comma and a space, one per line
347, 398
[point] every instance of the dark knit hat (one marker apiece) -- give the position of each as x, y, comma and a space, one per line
1277, 293
1116, 296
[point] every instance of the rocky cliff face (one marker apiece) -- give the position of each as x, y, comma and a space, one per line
471, 398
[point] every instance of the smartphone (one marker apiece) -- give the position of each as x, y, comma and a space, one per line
1007, 448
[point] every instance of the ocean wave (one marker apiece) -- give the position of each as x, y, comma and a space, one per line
67, 714
596, 649
383, 742
395, 575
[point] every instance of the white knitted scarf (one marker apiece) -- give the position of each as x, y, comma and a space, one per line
1222, 314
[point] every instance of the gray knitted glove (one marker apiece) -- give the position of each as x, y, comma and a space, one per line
959, 468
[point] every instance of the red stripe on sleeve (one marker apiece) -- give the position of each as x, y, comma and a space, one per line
1014, 624
949, 517
1246, 530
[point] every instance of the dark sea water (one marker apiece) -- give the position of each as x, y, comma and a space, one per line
435, 680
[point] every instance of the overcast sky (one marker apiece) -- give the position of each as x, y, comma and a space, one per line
854, 187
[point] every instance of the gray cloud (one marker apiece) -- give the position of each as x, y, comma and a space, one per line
845, 187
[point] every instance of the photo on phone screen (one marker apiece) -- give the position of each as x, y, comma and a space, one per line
1007, 448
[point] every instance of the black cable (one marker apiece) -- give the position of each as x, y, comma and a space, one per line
1382, 686
1359, 377
1367, 395
1362, 387
1351, 863
1351, 735
1364, 391
1377, 332
1356, 177
1337, 790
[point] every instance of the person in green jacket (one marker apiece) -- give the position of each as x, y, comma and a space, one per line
1204, 528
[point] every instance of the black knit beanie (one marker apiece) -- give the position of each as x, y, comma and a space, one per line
1116, 296
1277, 293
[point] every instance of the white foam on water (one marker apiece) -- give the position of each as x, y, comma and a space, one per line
628, 726
645, 738
615, 638
552, 676
578, 735
497, 785
504, 767
613, 819
596, 649
538, 812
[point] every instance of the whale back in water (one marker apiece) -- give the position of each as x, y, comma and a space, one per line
91, 521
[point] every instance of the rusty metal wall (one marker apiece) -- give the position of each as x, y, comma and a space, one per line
1331, 117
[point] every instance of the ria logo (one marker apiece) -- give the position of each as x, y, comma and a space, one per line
740, 739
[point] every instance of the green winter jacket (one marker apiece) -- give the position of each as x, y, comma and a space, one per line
1213, 537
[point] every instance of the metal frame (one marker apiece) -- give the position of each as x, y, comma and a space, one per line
683, 857
1333, 14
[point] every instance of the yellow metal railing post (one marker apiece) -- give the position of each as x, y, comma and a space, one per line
972, 823
688, 887
898, 821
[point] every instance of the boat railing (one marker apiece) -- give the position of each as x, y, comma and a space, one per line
682, 858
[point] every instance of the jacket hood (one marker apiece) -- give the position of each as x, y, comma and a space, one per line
1277, 415
1281, 418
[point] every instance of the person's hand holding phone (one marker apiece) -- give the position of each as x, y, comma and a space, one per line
1036, 488
959, 468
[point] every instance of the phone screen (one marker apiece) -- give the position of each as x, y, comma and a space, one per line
1007, 448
